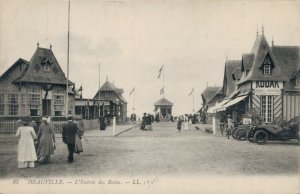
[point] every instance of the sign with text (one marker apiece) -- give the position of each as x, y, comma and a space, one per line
267, 87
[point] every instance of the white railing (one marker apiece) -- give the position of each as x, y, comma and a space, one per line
12, 126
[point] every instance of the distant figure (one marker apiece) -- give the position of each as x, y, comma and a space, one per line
26, 150
46, 139
102, 123
179, 123
149, 120
230, 126
68, 135
144, 122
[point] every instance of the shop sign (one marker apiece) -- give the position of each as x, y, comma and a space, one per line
267, 87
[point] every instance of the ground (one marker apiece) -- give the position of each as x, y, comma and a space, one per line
163, 151
158, 161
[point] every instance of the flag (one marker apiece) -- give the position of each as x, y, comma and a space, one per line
191, 92
80, 89
162, 90
132, 91
159, 72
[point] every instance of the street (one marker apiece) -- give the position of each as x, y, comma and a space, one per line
161, 152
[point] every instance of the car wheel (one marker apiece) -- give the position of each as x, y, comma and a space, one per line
233, 133
241, 134
250, 136
261, 137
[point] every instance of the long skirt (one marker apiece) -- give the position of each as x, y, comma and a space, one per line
78, 145
28, 164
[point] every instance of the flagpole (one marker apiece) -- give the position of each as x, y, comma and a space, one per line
193, 100
99, 93
133, 109
163, 81
68, 60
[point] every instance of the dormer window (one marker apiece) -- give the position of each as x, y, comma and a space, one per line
267, 65
267, 69
46, 67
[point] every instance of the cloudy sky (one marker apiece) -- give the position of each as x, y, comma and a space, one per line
132, 39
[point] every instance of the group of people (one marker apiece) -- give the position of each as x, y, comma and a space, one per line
147, 121
37, 140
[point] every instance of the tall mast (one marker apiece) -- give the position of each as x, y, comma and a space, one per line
193, 100
133, 100
164, 81
99, 92
68, 61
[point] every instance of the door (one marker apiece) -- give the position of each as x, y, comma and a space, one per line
46, 107
267, 108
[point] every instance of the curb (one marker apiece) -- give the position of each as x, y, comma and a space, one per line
126, 130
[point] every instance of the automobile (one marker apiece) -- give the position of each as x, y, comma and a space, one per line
282, 131
240, 132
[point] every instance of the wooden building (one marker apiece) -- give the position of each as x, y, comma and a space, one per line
267, 80
35, 88
164, 107
112, 102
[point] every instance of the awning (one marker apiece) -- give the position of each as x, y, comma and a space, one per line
218, 107
234, 101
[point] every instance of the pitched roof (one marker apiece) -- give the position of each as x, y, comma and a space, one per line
247, 61
163, 102
228, 82
260, 50
108, 86
237, 73
18, 62
209, 93
35, 72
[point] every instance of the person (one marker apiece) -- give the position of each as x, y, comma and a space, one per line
230, 126
179, 123
78, 136
26, 150
144, 122
46, 139
36, 125
101, 121
68, 137
148, 126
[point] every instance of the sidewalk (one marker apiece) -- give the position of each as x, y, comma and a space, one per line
108, 132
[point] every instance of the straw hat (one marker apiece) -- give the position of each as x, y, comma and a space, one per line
26, 120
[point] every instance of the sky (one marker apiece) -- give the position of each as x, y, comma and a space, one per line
131, 40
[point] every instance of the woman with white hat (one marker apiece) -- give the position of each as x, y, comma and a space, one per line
26, 150
46, 141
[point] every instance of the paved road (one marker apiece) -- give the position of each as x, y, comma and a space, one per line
162, 151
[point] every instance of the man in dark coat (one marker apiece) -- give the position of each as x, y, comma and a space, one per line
68, 136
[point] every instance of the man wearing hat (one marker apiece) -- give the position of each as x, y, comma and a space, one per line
230, 126
68, 136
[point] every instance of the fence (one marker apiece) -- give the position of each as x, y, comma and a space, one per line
12, 126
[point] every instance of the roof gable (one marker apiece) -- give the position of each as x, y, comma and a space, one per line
209, 93
228, 81
261, 50
163, 102
247, 61
36, 72
15, 65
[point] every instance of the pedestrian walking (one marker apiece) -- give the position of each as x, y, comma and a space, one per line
230, 126
144, 122
46, 139
179, 123
68, 135
79, 134
26, 150
149, 121
36, 125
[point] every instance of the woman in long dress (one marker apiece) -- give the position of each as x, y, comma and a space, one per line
46, 142
26, 150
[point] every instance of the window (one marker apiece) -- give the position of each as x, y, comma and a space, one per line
2, 104
13, 100
267, 69
59, 102
267, 108
34, 102
46, 67
298, 82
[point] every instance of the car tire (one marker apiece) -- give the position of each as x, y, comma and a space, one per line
261, 137
250, 136
241, 134
233, 132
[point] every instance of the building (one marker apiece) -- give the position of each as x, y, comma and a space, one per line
112, 102
35, 88
164, 107
266, 80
